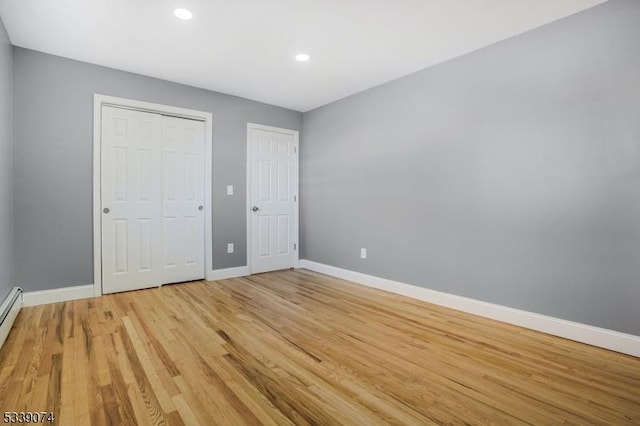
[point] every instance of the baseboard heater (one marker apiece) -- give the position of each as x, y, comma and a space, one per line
9, 311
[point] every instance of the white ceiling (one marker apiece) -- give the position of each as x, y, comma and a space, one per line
247, 47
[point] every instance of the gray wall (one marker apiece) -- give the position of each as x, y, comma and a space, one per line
509, 175
6, 229
53, 136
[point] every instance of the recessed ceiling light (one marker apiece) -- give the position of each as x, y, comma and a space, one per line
183, 14
302, 57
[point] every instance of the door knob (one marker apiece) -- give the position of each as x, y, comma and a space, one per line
106, 210
255, 208
200, 208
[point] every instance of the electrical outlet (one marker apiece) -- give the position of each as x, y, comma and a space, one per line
363, 253
230, 248
229, 189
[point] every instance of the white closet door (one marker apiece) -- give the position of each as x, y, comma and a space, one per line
131, 199
182, 200
273, 204
152, 199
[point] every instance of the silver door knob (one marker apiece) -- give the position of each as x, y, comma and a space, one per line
106, 210
255, 208
200, 208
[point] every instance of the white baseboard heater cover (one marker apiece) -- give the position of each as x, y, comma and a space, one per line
9, 311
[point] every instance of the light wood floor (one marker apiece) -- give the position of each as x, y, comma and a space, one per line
299, 347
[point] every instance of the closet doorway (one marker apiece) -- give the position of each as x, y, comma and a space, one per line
152, 214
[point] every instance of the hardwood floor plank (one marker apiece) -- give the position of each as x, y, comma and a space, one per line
185, 410
80, 385
67, 380
32, 370
152, 406
148, 370
298, 347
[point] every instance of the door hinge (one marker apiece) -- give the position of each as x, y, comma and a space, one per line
295, 150
295, 246
295, 198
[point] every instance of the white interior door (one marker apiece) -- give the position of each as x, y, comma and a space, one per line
273, 198
182, 200
131, 201
152, 190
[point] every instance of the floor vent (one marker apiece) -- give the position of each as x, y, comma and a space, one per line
9, 311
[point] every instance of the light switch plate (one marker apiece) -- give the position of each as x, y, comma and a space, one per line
229, 189
230, 248
363, 253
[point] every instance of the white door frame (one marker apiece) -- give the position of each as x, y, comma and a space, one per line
296, 177
207, 117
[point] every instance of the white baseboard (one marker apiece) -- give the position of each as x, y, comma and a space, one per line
42, 297
33, 298
596, 336
223, 274
14, 308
